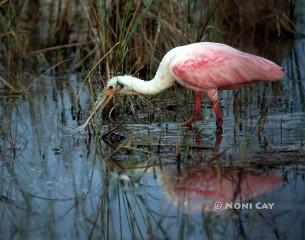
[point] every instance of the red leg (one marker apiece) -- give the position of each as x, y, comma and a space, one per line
197, 115
198, 139
219, 119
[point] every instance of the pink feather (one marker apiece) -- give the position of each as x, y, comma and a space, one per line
212, 66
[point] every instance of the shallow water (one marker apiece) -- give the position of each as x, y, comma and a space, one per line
149, 178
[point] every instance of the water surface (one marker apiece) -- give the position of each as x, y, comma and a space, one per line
149, 178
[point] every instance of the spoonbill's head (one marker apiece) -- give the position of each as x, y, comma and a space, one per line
118, 85
115, 86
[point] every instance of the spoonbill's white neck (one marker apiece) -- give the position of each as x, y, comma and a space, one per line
162, 80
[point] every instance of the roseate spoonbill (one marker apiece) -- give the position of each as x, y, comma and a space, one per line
204, 67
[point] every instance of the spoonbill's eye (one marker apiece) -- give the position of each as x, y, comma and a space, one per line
110, 87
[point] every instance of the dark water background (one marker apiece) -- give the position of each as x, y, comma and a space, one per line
162, 182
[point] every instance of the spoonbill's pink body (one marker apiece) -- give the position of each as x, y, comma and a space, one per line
209, 67
204, 67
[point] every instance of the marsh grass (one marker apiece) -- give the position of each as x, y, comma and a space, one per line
104, 38
144, 29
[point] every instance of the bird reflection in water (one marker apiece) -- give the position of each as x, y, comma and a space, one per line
199, 188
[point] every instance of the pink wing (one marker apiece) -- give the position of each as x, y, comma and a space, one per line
207, 66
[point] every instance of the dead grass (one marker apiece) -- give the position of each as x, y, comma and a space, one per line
143, 30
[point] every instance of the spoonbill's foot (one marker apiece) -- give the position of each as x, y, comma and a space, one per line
219, 131
219, 119
197, 114
189, 123
219, 127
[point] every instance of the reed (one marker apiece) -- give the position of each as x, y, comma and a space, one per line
143, 30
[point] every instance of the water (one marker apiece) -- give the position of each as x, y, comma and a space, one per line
149, 178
